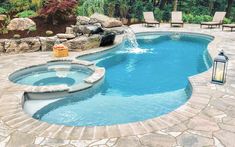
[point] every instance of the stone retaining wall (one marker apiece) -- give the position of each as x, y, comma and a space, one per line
33, 44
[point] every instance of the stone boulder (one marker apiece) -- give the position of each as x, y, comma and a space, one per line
89, 29
106, 21
2, 45
83, 43
21, 24
65, 36
83, 20
47, 43
22, 45
3, 17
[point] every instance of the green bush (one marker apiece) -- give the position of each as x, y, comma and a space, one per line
189, 18
3, 10
89, 7
167, 13
227, 21
19, 5
158, 14
26, 14
149, 6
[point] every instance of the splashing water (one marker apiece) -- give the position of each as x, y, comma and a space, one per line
131, 38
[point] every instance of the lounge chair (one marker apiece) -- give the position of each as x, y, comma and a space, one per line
149, 19
231, 26
176, 18
217, 20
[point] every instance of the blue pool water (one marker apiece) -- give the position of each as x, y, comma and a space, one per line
139, 84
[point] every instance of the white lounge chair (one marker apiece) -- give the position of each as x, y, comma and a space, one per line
217, 20
149, 19
176, 18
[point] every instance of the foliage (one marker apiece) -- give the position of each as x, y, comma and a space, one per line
166, 16
3, 29
3, 10
124, 8
149, 6
158, 14
138, 10
190, 18
32, 29
26, 14
56, 10
90, 6
19, 5
227, 21
37, 4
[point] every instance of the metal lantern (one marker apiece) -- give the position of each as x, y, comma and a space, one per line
220, 68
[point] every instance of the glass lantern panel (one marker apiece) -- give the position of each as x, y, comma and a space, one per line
219, 71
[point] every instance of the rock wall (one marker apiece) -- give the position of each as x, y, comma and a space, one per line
34, 44
87, 33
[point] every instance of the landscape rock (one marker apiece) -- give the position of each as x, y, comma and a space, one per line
65, 36
3, 17
47, 43
21, 24
89, 29
83, 43
106, 21
22, 45
2, 45
69, 30
83, 20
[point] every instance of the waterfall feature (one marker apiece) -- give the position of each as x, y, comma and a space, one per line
131, 38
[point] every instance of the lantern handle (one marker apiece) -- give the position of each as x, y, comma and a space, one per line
221, 53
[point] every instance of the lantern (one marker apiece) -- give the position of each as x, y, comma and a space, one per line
220, 68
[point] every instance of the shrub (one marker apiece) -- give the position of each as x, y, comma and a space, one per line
149, 6
37, 4
19, 5
189, 18
138, 10
227, 21
166, 16
3, 10
158, 14
89, 7
56, 10
3, 28
26, 14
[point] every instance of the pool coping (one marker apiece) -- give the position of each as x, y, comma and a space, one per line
13, 115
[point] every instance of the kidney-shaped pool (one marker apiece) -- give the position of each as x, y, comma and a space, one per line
139, 83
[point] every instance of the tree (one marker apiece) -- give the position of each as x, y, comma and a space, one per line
175, 4
229, 7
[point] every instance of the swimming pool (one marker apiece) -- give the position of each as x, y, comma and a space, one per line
139, 84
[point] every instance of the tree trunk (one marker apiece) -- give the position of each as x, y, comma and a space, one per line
229, 8
175, 4
211, 6
162, 3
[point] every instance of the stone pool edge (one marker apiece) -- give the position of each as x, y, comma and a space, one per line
13, 115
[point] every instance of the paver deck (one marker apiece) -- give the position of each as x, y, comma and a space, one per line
207, 119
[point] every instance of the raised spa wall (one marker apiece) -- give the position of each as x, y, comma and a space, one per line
55, 91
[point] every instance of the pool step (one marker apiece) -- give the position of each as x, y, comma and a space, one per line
79, 87
59, 67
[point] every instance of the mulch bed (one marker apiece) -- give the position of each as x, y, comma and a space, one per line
42, 27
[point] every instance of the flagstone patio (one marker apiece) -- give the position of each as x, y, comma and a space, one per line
207, 119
